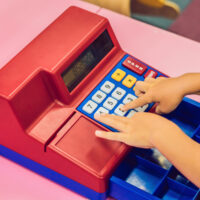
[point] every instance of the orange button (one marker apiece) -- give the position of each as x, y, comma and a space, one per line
118, 75
129, 81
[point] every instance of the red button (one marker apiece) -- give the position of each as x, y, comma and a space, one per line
151, 74
134, 65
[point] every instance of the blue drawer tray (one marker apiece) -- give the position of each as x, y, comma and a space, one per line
146, 174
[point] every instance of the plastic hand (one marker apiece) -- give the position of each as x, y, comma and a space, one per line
137, 131
167, 92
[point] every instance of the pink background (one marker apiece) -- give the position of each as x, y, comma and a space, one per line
22, 20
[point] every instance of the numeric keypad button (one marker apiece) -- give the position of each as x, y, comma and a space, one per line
101, 110
118, 93
142, 108
129, 98
89, 107
107, 87
131, 113
110, 103
118, 75
99, 96
129, 81
118, 111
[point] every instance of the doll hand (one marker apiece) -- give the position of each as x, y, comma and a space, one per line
167, 92
137, 131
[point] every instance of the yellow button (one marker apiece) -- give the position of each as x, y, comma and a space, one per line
129, 81
118, 75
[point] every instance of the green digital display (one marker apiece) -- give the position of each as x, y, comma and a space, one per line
88, 59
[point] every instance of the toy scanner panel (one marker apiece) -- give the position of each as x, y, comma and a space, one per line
79, 143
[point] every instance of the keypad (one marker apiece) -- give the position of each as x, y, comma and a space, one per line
115, 90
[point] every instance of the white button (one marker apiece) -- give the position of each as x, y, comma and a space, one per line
131, 113
142, 108
118, 93
89, 107
107, 87
99, 96
110, 103
129, 98
118, 111
129, 61
101, 110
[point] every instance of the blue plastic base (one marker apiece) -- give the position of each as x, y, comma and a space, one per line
52, 175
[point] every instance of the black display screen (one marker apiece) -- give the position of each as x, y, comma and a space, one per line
81, 67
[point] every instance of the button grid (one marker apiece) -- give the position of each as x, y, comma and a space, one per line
111, 93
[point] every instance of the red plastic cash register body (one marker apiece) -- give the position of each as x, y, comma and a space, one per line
38, 117
39, 96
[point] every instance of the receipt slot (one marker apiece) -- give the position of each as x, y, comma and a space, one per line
50, 92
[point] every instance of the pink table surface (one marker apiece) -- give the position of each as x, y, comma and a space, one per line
167, 52
23, 20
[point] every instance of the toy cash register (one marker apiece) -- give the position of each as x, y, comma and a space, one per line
49, 94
